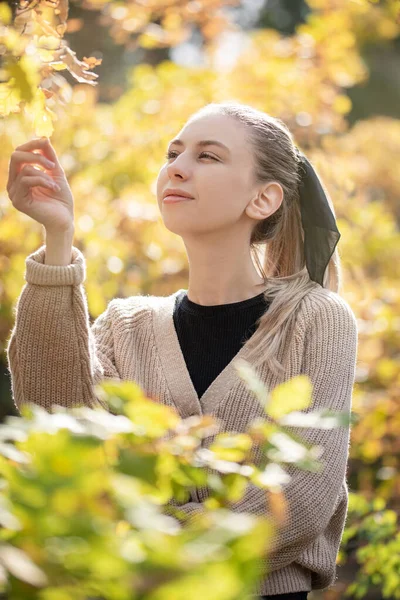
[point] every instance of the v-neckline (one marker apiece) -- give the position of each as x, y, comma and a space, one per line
175, 370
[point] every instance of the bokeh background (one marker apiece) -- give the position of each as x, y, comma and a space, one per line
330, 69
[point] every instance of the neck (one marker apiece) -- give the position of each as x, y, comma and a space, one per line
221, 274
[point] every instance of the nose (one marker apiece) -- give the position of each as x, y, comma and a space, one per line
177, 168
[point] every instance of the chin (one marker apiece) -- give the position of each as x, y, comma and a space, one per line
173, 227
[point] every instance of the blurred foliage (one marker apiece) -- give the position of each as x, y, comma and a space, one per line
34, 50
112, 160
85, 496
373, 533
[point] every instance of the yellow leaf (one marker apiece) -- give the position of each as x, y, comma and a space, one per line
278, 506
42, 115
291, 395
20, 79
65, 502
5, 13
342, 104
9, 99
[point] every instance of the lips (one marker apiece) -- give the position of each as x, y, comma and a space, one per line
177, 192
170, 198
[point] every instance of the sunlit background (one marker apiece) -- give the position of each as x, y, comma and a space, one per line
330, 69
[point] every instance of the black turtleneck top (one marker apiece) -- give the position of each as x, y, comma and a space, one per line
211, 336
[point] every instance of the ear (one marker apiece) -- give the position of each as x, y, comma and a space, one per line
266, 202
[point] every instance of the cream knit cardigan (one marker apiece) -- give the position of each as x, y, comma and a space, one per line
56, 356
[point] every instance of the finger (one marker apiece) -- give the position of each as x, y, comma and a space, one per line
36, 173
47, 150
19, 158
42, 144
25, 171
31, 144
31, 170
29, 181
50, 152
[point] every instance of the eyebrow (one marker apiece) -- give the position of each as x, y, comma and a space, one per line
202, 143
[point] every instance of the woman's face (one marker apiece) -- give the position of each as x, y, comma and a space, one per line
220, 179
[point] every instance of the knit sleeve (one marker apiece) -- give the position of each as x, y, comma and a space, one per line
329, 359
54, 355
188, 509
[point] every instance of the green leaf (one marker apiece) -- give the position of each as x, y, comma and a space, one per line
138, 465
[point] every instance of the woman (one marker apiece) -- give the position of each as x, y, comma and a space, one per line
246, 187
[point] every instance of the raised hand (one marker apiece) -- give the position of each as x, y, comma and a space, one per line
41, 193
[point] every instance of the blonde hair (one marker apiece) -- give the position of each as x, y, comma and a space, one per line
280, 235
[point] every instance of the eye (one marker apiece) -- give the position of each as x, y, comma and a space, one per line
172, 154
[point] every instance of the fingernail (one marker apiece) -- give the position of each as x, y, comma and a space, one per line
50, 163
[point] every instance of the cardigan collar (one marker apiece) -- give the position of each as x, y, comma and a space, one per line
175, 369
